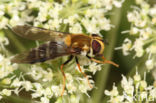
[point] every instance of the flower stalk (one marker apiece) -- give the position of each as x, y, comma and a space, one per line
101, 77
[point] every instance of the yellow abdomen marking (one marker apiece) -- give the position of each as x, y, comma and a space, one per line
67, 40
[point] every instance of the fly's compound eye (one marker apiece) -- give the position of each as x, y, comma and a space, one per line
96, 46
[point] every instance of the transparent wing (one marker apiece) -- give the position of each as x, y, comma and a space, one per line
50, 50
35, 33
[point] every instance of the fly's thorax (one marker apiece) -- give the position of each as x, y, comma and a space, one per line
79, 43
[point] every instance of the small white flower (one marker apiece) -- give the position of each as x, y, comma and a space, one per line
143, 95
36, 95
16, 83
153, 93
48, 92
71, 87
152, 11
90, 25
149, 64
143, 84
56, 90
138, 47
75, 28
54, 24
2, 7
36, 72
47, 75
27, 85
94, 67
6, 92
1, 97
137, 77
126, 47
6, 81
113, 92
131, 16
84, 86
127, 85
74, 99
45, 100
117, 3
139, 1
72, 19
152, 49
1, 58
38, 90
69, 77
4, 22
15, 20
134, 31
104, 24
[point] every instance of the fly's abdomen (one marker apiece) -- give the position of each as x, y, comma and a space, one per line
37, 54
48, 51
57, 49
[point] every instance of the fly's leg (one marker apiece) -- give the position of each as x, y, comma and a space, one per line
109, 62
77, 62
64, 76
104, 61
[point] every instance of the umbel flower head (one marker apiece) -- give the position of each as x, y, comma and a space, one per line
44, 81
78, 15
134, 90
143, 32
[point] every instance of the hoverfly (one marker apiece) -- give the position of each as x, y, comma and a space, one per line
59, 44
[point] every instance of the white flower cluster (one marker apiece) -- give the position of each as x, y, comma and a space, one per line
44, 84
3, 41
143, 23
5, 67
135, 90
6, 75
79, 16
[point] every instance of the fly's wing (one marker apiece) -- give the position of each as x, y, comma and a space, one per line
35, 33
42, 53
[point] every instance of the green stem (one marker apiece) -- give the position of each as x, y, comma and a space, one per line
101, 77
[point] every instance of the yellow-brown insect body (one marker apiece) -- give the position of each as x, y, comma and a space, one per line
59, 44
81, 43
